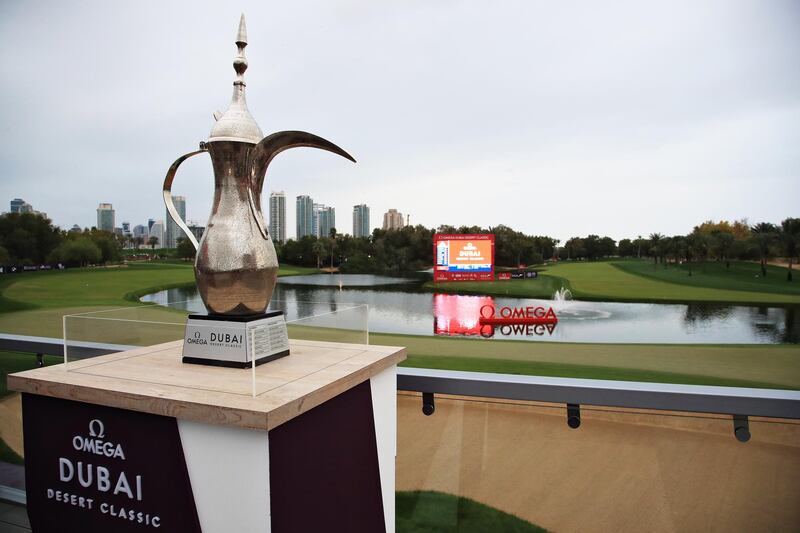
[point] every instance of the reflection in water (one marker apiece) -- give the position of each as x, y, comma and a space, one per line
454, 314
703, 312
419, 313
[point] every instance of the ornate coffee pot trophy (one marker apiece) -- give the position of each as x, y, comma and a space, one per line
236, 267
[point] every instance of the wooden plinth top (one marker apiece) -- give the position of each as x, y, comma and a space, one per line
154, 380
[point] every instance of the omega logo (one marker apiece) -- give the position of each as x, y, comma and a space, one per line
94, 432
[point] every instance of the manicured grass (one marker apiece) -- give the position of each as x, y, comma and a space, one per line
741, 276
639, 281
436, 512
770, 366
34, 302
540, 368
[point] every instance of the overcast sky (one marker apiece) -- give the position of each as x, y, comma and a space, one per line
557, 118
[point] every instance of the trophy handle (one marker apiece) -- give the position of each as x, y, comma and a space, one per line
173, 213
254, 211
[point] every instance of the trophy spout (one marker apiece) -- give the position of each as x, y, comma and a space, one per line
272, 145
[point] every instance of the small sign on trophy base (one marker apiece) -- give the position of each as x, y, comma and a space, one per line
224, 340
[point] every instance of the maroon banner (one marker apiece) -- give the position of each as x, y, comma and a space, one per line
91, 468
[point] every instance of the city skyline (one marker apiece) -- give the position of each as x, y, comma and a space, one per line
590, 116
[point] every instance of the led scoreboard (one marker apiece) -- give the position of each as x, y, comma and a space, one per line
463, 257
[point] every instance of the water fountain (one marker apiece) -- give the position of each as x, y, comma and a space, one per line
562, 295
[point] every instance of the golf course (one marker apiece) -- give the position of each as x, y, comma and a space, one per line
34, 304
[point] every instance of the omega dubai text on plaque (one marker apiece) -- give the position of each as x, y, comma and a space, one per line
228, 341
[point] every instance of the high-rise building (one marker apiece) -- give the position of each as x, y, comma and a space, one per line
150, 222
315, 219
393, 219
142, 231
105, 218
126, 229
305, 216
277, 216
157, 231
18, 205
361, 227
173, 232
196, 230
326, 220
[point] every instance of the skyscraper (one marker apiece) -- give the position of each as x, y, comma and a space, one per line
326, 220
105, 218
150, 222
393, 219
126, 229
315, 219
173, 232
277, 216
361, 227
157, 231
305, 216
18, 205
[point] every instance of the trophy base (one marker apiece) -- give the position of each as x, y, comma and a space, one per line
231, 341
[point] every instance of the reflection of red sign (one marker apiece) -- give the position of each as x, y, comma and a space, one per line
504, 275
517, 320
454, 314
463, 257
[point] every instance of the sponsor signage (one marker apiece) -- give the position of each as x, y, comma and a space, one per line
17, 269
517, 274
463, 257
94, 468
527, 321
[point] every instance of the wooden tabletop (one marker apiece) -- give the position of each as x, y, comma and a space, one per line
153, 379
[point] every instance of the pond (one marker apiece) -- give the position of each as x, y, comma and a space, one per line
397, 306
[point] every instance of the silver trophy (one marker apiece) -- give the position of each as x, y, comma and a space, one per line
236, 267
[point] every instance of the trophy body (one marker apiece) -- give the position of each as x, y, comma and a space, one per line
236, 266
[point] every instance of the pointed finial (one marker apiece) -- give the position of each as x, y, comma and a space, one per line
241, 37
237, 124
240, 62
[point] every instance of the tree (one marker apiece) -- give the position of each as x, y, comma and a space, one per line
656, 246
4, 257
152, 241
318, 249
77, 252
138, 241
790, 237
764, 236
28, 238
722, 243
186, 249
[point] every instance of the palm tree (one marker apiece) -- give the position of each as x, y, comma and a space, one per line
656, 240
152, 241
790, 236
318, 249
764, 234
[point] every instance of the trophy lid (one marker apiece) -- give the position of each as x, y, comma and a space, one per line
237, 124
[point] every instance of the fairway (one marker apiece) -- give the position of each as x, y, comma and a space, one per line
34, 303
641, 281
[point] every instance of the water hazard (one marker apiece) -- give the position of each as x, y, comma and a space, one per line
397, 306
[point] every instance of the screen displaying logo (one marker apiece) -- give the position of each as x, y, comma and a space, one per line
463, 257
